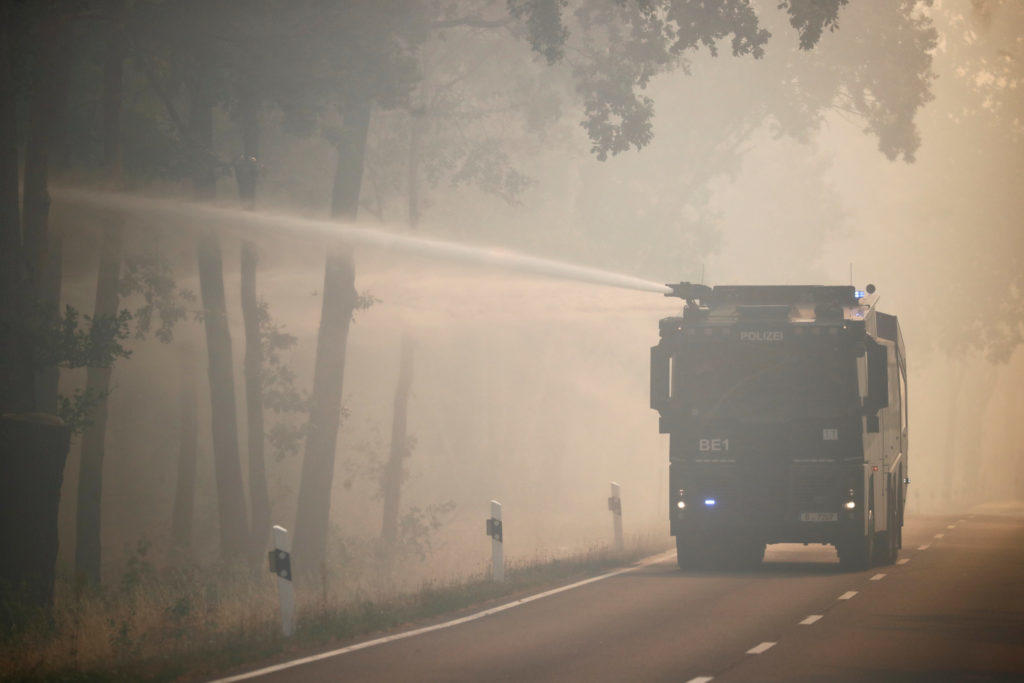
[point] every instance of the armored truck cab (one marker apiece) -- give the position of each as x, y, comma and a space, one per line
785, 408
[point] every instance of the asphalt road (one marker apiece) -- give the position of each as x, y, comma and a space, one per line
953, 609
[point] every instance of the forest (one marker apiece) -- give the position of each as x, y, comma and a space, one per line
190, 354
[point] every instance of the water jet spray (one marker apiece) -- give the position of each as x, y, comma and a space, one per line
361, 236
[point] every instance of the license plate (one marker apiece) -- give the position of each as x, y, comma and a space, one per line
819, 516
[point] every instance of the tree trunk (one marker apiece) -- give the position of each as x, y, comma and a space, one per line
415, 122
339, 301
88, 539
47, 379
204, 177
259, 497
979, 424
42, 244
113, 79
311, 521
230, 497
90, 476
60, 146
246, 173
16, 377
10, 204
394, 474
234, 525
1017, 481
247, 165
348, 175
33, 450
953, 419
185, 490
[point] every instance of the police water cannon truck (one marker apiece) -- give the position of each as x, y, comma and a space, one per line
786, 410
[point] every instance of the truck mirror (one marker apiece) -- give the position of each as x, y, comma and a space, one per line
878, 379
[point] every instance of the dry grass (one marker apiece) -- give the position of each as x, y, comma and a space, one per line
173, 624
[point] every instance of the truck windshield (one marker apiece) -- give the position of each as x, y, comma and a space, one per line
813, 379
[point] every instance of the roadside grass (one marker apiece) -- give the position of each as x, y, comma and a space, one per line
176, 626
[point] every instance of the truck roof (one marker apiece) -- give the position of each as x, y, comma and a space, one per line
819, 304
765, 295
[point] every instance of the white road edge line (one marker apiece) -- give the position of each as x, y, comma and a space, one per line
437, 627
810, 619
847, 595
877, 577
924, 547
903, 561
758, 649
701, 679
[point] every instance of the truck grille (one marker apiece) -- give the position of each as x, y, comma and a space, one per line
716, 480
814, 487
763, 488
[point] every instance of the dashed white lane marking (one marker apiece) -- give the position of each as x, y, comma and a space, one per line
939, 535
701, 679
758, 649
878, 577
951, 526
903, 561
447, 624
847, 595
924, 547
810, 619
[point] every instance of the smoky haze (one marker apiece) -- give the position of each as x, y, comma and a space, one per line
530, 390
521, 195
534, 391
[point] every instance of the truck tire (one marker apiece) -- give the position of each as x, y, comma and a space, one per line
882, 549
893, 537
686, 555
857, 552
887, 543
748, 554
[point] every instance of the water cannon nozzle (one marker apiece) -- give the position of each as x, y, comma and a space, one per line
689, 291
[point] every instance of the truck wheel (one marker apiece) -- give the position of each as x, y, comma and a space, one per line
686, 556
894, 547
749, 554
895, 536
887, 544
856, 553
882, 549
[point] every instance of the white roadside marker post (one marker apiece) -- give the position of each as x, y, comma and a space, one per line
497, 540
281, 564
615, 505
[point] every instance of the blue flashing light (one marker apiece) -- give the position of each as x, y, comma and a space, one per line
859, 294
710, 502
